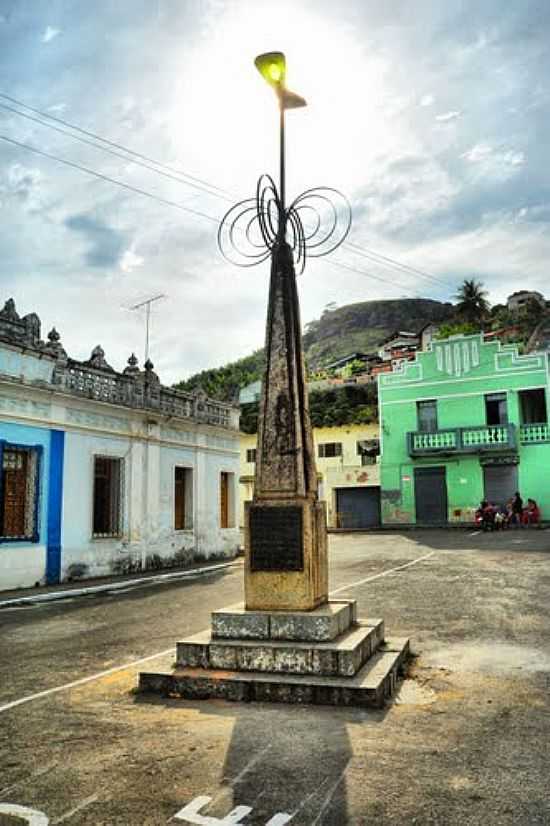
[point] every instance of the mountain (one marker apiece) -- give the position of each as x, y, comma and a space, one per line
352, 328
361, 327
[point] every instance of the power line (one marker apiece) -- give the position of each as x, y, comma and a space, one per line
107, 141
168, 202
199, 183
103, 177
115, 153
385, 260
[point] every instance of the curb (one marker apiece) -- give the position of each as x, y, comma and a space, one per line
113, 586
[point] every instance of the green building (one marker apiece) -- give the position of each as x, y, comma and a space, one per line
466, 420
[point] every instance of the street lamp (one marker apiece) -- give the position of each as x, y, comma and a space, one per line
272, 67
267, 216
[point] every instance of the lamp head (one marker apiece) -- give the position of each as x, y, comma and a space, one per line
272, 67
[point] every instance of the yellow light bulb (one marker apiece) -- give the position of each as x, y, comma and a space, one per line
275, 72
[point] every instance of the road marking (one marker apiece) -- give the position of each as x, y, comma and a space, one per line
31, 816
84, 680
191, 814
328, 799
76, 809
383, 573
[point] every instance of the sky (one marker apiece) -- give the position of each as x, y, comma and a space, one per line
433, 118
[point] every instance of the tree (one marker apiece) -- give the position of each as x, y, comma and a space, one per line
472, 304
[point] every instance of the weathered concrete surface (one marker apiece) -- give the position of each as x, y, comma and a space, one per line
370, 687
464, 743
322, 624
343, 656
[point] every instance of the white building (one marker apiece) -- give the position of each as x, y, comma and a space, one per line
105, 472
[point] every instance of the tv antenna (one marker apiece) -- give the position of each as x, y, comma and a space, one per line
147, 304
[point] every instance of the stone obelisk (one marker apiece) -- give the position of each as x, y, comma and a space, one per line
285, 524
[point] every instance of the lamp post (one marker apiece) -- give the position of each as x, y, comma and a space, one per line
272, 67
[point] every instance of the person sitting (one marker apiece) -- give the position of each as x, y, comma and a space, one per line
531, 514
485, 515
501, 518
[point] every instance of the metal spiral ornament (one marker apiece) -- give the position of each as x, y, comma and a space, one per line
314, 224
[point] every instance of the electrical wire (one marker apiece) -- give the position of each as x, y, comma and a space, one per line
181, 177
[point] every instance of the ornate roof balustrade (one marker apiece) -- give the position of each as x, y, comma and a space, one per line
481, 439
96, 379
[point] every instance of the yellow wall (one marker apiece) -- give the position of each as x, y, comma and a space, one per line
334, 472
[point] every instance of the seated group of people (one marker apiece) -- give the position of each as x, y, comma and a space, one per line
494, 517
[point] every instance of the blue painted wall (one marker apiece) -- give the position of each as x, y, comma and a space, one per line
32, 436
55, 507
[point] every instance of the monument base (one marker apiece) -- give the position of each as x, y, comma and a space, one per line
323, 656
286, 566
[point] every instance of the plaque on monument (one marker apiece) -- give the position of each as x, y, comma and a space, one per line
276, 539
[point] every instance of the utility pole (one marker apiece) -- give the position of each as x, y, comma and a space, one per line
147, 304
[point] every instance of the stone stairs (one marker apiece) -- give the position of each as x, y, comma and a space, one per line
324, 656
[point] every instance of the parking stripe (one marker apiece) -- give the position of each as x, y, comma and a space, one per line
383, 573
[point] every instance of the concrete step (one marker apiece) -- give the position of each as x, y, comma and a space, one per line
343, 656
319, 625
370, 687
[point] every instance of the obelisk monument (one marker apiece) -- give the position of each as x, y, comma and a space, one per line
285, 524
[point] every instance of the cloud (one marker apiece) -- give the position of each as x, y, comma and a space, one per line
447, 117
130, 261
49, 34
495, 162
21, 184
106, 245
427, 100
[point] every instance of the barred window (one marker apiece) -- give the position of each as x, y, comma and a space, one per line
251, 455
107, 509
19, 492
330, 449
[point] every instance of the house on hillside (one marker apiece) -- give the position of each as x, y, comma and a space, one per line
106, 472
401, 342
521, 298
464, 421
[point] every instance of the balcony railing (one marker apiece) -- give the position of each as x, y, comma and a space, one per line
530, 434
482, 439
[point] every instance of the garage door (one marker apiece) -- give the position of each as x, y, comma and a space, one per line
358, 507
430, 493
501, 482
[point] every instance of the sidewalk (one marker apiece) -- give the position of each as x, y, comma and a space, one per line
67, 590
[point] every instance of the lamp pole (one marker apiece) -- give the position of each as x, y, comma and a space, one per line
282, 217
272, 67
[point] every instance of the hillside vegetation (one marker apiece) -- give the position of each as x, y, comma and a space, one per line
352, 328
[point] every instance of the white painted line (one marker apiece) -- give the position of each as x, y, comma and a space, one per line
383, 573
82, 805
83, 680
31, 816
328, 799
114, 586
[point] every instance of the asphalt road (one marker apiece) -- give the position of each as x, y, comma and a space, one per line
464, 742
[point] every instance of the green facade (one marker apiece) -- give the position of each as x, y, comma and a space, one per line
474, 444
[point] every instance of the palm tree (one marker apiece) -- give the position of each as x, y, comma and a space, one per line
472, 301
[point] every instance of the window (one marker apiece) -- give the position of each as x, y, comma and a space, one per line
19, 492
107, 497
426, 413
183, 499
227, 500
251, 455
533, 406
329, 449
496, 408
368, 450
